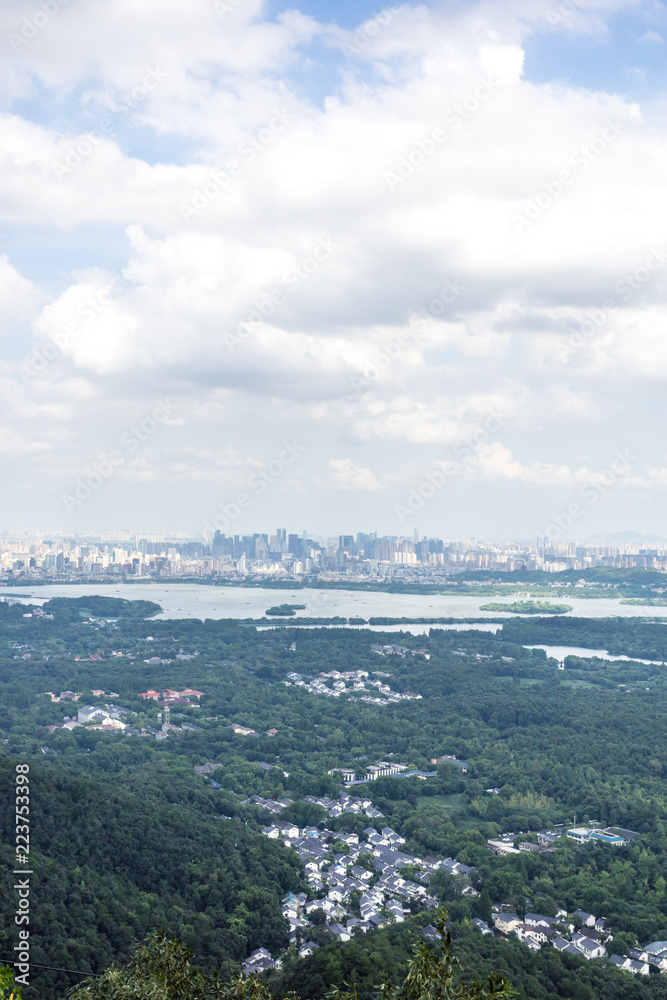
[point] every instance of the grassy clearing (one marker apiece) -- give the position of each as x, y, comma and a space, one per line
448, 803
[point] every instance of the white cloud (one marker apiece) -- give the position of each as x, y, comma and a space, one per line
429, 285
496, 462
345, 475
19, 298
652, 37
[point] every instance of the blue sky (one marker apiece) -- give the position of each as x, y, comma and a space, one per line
347, 15
629, 57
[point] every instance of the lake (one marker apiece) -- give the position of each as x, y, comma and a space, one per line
560, 652
191, 600
411, 628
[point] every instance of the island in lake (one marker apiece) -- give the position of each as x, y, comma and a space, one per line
528, 608
647, 602
285, 609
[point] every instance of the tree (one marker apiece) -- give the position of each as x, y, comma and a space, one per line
623, 942
7, 983
484, 906
430, 976
162, 970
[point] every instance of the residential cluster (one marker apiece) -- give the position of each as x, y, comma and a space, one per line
586, 934
579, 933
281, 555
334, 684
274, 806
170, 697
363, 886
65, 696
346, 803
111, 718
369, 881
393, 650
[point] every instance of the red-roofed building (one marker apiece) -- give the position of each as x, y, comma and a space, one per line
150, 694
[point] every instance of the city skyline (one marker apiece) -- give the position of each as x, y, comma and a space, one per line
285, 558
398, 265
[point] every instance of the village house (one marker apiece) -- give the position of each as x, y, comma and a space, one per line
637, 968
587, 919
259, 961
451, 759
588, 948
505, 923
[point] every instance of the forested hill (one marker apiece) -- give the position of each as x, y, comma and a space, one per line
93, 606
127, 837
620, 636
113, 862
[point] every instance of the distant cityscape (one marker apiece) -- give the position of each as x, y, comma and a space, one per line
363, 557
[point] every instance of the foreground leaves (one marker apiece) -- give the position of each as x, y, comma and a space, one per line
162, 970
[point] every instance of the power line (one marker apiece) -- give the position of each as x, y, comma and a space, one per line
72, 972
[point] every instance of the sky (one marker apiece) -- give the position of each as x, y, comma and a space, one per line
334, 267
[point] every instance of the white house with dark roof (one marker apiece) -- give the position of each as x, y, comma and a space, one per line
588, 948
539, 918
339, 932
289, 830
259, 961
637, 968
481, 925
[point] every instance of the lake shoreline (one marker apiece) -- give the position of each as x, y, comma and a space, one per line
323, 605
